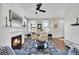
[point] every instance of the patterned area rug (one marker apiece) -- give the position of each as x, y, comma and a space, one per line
49, 50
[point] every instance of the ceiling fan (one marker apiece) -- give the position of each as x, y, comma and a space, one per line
38, 8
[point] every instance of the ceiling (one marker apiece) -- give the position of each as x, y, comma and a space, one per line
52, 9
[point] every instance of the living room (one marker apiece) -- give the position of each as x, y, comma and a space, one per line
54, 23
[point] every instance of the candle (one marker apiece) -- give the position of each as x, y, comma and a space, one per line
6, 21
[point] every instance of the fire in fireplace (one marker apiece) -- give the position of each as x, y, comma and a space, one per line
16, 42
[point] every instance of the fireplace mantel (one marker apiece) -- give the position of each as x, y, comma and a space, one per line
13, 29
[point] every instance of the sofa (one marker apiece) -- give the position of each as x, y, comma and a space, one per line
6, 50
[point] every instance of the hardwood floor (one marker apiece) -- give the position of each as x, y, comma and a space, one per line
59, 43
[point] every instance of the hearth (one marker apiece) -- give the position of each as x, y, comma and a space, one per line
16, 42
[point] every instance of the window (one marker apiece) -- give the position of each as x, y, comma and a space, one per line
32, 25
45, 25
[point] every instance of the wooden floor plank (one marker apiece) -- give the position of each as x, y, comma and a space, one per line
59, 43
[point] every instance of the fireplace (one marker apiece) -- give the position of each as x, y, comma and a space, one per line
16, 42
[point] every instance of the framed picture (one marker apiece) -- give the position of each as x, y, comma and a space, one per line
14, 18
39, 26
55, 26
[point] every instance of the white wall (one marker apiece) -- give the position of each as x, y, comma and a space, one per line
59, 31
0, 27
61, 27
72, 32
7, 32
55, 30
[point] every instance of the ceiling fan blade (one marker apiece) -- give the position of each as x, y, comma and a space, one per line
38, 6
42, 10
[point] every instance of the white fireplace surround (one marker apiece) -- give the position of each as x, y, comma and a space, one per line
8, 33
